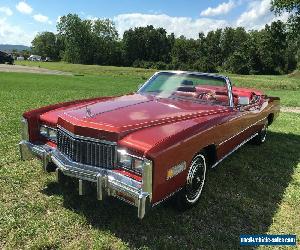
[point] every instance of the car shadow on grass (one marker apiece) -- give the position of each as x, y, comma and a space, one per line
241, 196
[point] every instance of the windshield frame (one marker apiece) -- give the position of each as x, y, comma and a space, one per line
226, 80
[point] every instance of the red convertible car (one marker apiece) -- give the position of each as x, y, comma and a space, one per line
146, 147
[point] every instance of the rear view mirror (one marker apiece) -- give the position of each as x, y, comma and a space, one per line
243, 100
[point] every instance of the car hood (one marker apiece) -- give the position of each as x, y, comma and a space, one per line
131, 112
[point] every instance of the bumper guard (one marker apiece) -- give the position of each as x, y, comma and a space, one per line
108, 182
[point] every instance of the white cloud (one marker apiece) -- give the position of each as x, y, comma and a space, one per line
58, 19
221, 9
178, 25
258, 15
92, 18
11, 34
24, 8
7, 11
41, 18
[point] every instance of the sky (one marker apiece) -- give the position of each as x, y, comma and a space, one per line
20, 21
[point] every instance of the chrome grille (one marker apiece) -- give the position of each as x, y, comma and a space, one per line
86, 150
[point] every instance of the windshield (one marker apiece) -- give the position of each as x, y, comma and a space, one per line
203, 88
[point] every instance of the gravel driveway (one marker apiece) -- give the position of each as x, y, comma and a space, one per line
27, 69
290, 109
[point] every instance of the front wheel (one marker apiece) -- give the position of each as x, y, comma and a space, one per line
190, 194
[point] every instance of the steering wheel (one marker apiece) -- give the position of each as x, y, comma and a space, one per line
210, 96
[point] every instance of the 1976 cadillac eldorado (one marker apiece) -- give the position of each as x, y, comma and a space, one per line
146, 147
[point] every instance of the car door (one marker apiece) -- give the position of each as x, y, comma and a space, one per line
230, 134
251, 118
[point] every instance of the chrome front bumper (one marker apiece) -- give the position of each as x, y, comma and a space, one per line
108, 182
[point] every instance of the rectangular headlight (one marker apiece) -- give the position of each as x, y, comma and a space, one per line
48, 132
138, 165
52, 134
125, 160
130, 162
44, 131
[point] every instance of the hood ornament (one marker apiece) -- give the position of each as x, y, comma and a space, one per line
88, 112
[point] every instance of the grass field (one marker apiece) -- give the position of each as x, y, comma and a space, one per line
256, 190
286, 86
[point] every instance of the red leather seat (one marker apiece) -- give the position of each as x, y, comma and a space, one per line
186, 94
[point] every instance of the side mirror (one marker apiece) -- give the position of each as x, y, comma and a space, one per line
243, 100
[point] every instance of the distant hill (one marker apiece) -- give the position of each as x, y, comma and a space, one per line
11, 47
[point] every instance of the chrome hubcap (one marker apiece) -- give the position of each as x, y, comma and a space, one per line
264, 133
195, 179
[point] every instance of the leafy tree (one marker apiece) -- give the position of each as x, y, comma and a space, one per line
45, 44
105, 29
108, 48
25, 53
252, 48
76, 36
235, 50
185, 52
88, 42
286, 5
146, 43
293, 7
213, 49
271, 46
272, 50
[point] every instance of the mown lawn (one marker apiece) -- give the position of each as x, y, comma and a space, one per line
256, 190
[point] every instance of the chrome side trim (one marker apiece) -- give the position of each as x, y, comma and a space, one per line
228, 139
236, 148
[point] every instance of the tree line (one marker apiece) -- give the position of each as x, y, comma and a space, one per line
272, 50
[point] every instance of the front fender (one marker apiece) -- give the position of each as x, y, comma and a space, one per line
172, 144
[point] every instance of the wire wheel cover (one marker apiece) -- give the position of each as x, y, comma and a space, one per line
264, 132
195, 179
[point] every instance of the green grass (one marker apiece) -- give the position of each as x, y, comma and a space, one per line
90, 69
286, 86
256, 190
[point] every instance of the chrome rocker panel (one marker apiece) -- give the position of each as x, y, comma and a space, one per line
108, 182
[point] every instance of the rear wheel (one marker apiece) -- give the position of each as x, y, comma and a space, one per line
190, 194
262, 135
